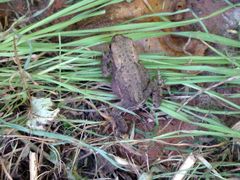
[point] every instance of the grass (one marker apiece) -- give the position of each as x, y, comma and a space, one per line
71, 70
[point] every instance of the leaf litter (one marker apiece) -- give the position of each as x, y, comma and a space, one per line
40, 114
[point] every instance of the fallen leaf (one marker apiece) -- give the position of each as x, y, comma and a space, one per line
41, 114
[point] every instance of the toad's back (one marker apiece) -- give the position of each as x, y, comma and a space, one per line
123, 51
130, 77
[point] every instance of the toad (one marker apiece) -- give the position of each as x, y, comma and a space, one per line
130, 80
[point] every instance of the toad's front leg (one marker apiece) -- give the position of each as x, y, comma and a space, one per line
155, 90
107, 64
120, 123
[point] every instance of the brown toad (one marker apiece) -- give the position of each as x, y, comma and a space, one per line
130, 80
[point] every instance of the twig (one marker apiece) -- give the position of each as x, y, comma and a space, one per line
33, 165
207, 89
17, 61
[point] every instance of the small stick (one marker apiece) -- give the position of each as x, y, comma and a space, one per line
207, 89
33, 165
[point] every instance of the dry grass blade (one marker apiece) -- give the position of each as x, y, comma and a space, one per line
185, 167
